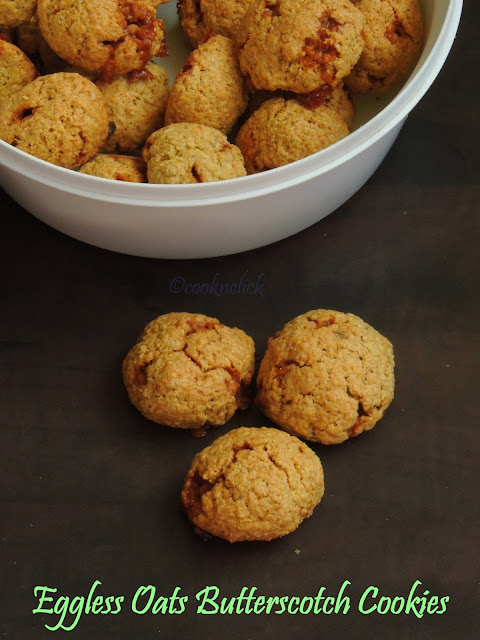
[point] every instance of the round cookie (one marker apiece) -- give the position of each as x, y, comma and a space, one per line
252, 484
115, 167
281, 131
112, 37
187, 153
136, 105
299, 45
189, 371
16, 12
393, 41
326, 376
61, 118
201, 18
210, 89
16, 70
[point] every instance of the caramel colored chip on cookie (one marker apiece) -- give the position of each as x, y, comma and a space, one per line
15, 12
326, 376
187, 153
189, 371
281, 131
299, 45
112, 37
115, 167
252, 484
61, 118
16, 70
393, 35
210, 89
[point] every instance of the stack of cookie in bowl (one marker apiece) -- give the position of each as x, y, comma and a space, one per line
269, 82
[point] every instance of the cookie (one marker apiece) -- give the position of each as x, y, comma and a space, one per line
136, 104
189, 371
281, 131
15, 12
16, 70
187, 153
202, 18
61, 118
326, 376
210, 89
299, 45
252, 484
31, 41
393, 34
115, 167
111, 37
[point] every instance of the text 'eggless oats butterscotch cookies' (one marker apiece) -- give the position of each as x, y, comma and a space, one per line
61, 118
326, 376
252, 484
116, 167
189, 371
299, 45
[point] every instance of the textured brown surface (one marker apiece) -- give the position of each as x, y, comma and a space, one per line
210, 89
200, 18
16, 70
189, 371
115, 167
253, 484
61, 118
15, 12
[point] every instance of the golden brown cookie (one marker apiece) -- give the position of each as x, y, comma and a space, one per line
326, 376
61, 118
108, 36
201, 18
282, 131
252, 484
187, 153
210, 89
16, 70
16, 12
136, 104
31, 41
189, 371
115, 167
299, 45
393, 40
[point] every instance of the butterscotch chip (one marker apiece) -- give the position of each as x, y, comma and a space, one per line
61, 118
189, 371
16, 70
281, 131
210, 89
187, 153
299, 45
326, 376
16, 12
136, 104
108, 36
393, 40
201, 18
253, 484
115, 167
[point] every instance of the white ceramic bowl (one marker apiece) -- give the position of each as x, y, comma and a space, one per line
220, 218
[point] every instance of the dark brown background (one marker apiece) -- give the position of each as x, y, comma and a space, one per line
90, 490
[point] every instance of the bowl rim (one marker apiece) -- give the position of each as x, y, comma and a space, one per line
278, 179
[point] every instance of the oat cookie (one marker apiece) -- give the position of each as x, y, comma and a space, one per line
282, 131
115, 167
108, 36
16, 70
201, 18
326, 376
16, 12
189, 371
299, 45
61, 118
210, 89
393, 41
136, 104
253, 484
187, 153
